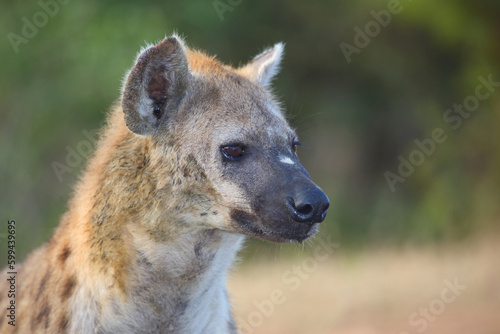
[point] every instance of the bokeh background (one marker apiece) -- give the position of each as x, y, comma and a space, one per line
357, 117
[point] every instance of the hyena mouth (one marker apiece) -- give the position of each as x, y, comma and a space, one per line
289, 231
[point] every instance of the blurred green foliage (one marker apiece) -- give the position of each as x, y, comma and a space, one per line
355, 118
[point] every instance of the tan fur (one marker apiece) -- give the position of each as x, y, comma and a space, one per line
149, 234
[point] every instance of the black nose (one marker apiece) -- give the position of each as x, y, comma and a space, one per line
308, 205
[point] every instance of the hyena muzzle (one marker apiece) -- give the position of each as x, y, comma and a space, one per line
196, 155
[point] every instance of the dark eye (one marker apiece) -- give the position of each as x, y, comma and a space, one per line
295, 144
233, 152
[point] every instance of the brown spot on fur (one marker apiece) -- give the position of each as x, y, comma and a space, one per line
68, 287
41, 287
63, 256
197, 249
206, 238
43, 315
242, 216
62, 323
246, 222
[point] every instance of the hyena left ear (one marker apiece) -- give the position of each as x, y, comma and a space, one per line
155, 85
264, 66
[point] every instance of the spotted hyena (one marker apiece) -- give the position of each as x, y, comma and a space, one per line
195, 156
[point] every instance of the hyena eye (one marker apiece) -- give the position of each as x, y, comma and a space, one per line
233, 152
295, 144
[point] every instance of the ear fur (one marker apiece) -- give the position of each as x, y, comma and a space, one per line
154, 85
263, 67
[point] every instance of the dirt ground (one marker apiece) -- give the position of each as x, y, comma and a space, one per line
443, 290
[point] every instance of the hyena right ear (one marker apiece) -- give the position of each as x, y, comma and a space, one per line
155, 85
264, 67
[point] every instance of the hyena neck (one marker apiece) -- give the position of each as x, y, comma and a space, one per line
150, 265
186, 280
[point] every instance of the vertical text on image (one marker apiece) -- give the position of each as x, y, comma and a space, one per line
11, 273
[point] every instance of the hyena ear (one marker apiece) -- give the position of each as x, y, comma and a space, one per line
264, 66
155, 85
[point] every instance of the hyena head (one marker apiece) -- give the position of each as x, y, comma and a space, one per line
224, 123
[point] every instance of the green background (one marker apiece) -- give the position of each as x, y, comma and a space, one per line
355, 118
